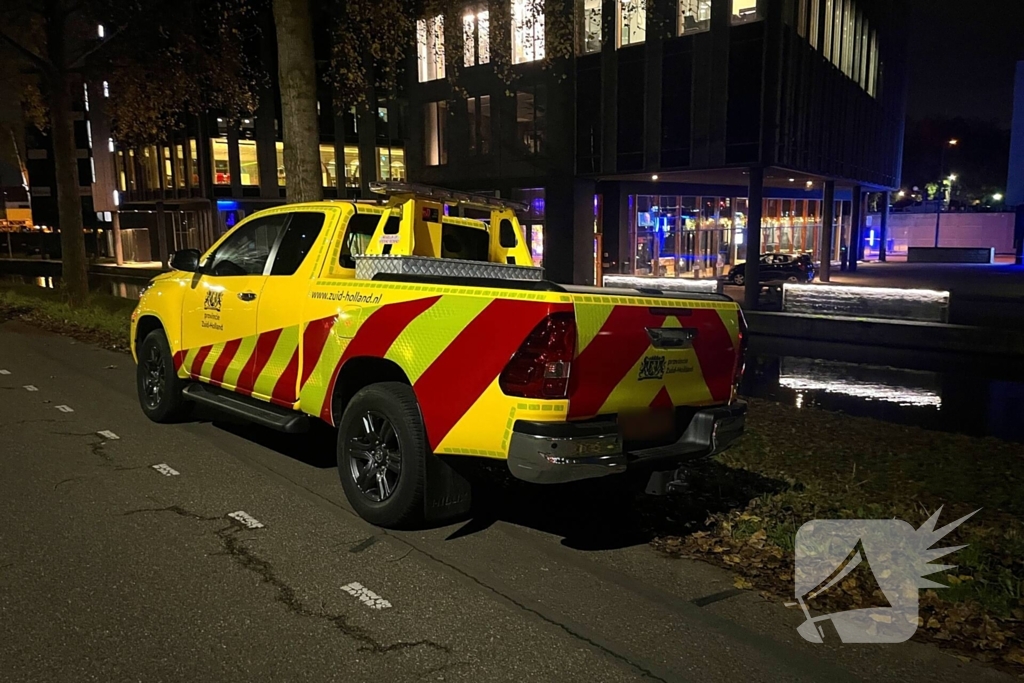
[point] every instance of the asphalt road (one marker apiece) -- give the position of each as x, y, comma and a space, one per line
111, 570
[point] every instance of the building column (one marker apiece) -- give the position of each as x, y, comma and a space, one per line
828, 218
115, 217
856, 249
583, 231
755, 209
884, 228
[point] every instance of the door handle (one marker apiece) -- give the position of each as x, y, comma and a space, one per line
247, 296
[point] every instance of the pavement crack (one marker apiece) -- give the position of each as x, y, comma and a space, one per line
97, 447
647, 673
235, 547
66, 481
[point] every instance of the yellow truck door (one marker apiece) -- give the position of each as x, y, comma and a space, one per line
282, 324
220, 303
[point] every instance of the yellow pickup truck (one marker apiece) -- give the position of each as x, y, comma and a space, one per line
424, 336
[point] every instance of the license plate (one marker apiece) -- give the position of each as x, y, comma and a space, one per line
649, 425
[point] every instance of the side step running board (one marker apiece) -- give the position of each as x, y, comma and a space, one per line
251, 409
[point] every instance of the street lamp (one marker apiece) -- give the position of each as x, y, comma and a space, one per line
998, 197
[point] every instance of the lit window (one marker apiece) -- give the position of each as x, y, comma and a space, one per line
99, 31
328, 166
352, 176
527, 31
694, 16
632, 23
744, 11
435, 121
92, 168
476, 41
391, 164
168, 169
221, 166
106, 89
110, 144
281, 179
430, 48
85, 95
589, 38
179, 165
813, 31
248, 164
193, 156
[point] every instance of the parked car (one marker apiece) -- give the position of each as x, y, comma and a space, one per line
777, 268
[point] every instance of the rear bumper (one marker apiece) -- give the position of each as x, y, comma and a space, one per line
558, 453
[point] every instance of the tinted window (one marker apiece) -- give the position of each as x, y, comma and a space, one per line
245, 252
462, 242
303, 229
357, 237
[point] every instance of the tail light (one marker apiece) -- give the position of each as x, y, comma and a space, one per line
741, 352
541, 367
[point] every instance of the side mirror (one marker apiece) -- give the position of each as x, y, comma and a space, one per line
186, 260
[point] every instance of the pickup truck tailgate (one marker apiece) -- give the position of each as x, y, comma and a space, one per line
637, 353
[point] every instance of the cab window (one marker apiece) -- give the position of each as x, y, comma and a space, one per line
245, 252
358, 233
303, 229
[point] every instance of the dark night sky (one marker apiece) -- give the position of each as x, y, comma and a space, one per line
963, 54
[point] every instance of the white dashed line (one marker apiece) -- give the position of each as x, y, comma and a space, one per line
246, 520
31, 387
107, 434
366, 596
166, 470
5, 372
65, 409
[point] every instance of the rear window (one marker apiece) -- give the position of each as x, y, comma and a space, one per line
357, 237
462, 242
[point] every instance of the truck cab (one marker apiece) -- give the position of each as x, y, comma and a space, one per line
425, 336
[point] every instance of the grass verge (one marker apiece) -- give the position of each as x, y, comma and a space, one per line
834, 466
103, 320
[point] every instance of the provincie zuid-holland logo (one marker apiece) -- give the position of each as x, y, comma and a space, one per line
886, 554
652, 367
213, 301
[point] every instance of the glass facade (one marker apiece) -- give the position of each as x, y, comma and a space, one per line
694, 16
352, 176
249, 166
391, 164
430, 48
588, 39
221, 167
632, 21
680, 236
328, 166
527, 31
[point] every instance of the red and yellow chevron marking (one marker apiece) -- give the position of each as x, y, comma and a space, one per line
453, 346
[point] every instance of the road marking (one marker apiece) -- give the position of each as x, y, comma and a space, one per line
366, 596
107, 434
65, 409
166, 470
246, 520
5, 372
31, 387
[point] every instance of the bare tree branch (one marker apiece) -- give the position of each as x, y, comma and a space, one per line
79, 61
37, 61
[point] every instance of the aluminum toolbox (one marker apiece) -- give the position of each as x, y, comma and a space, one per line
368, 266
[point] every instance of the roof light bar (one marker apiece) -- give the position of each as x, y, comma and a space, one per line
446, 196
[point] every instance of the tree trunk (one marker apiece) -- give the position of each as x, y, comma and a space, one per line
297, 77
69, 200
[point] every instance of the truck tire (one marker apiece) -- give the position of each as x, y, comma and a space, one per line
157, 381
382, 454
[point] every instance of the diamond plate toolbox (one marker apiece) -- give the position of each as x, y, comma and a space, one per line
368, 266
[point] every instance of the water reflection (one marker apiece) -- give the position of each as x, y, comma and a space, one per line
868, 382
126, 288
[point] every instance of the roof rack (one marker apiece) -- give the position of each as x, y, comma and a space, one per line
440, 194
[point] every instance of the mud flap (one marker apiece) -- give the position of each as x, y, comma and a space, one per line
447, 493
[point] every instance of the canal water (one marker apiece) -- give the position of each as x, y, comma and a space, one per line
973, 395
978, 396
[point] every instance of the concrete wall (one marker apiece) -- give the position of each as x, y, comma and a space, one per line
956, 230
